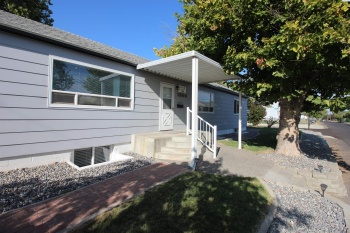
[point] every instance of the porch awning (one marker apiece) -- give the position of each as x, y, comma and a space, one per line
180, 67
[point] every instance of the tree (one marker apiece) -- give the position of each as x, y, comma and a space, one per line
62, 80
37, 10
290, 51
271, 121
256, 112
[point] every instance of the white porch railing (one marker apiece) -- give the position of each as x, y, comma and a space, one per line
207, 133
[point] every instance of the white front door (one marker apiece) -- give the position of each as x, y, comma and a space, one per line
166, 118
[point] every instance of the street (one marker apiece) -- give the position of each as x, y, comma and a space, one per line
340, 131
338, 138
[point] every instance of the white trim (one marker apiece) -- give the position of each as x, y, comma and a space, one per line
179, 57
240, 122
162, 84
194, 120
76, 105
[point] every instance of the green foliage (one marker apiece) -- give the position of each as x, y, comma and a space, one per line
256, 112
347, 116
37, 10
339, 116
291, 50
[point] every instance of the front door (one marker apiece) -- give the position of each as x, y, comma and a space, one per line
166, 118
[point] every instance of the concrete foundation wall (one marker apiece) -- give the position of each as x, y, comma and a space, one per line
34, 160
54, 157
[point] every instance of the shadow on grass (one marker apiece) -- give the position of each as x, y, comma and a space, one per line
192, 202
266, 137
256, 139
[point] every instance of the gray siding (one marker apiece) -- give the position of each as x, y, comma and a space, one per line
29, 126
223, 116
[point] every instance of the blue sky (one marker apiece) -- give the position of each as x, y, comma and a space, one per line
135, 26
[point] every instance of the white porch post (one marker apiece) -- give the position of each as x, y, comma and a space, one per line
194, 110
240, 122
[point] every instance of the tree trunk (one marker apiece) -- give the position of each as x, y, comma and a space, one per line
288, 136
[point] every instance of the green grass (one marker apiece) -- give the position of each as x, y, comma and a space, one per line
192, 202
265, 142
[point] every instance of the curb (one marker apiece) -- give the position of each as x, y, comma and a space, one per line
272, 210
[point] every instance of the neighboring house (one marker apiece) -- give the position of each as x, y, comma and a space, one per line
65, 97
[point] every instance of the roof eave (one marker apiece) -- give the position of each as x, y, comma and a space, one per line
62, 44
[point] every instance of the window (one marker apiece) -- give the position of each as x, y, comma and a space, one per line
205, 101
235, 107
78, 84
90, 156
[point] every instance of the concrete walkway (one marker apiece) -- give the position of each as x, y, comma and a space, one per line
232, 161
62, 213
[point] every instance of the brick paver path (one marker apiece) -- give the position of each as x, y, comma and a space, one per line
74, 208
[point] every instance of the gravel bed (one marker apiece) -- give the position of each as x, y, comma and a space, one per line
305, 212
316, 150
26, 186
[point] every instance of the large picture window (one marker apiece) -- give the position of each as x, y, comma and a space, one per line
205, 101
79, 84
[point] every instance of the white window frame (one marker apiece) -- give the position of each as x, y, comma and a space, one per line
234, 107
71, 161
76, 105
211, 93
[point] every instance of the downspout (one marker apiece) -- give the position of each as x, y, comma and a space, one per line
194, 112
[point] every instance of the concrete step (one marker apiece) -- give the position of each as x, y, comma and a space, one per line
175, 150
178, 144
181, 144
182, 139
173, 157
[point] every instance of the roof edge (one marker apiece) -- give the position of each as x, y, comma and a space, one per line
62, 44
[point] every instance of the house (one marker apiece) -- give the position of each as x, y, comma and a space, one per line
67, 98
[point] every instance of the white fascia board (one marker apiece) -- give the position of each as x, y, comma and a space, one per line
166, 60
183, 56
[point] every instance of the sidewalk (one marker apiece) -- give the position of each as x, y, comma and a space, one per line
75, 208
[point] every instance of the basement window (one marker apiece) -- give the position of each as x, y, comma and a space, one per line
91, 156
78, 84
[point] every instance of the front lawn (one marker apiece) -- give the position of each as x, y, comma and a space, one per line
265, 142
192, 202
